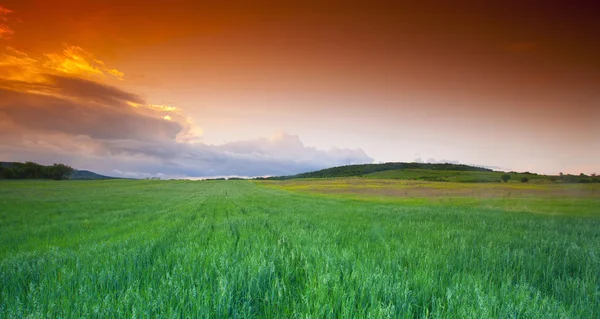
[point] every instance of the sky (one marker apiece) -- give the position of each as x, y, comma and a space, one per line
225, 88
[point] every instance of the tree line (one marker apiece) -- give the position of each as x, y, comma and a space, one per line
31, 170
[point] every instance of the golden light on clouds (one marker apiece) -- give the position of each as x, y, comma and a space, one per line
73, 61
76, 61
191, 133
165, 108
18, 66
75, 75
133, 104
172, 110
116, 73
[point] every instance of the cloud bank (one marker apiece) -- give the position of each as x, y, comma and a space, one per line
55, 109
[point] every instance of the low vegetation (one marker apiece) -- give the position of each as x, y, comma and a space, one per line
293, 249
455, 176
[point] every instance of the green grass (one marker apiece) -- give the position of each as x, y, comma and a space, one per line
227, 249
542, 198
454, 176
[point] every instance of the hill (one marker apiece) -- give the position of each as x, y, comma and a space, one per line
87, 175
364, 169
435, 172
31, 170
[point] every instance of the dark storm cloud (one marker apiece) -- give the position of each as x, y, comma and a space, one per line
43, 113
92, 91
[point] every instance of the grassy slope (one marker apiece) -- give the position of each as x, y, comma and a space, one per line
122, 248
453, 176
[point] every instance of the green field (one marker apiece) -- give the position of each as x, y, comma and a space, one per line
298, 249
454, 176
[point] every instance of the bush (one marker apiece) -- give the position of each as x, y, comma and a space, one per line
8, 173
59, 171
524, 180
506, 177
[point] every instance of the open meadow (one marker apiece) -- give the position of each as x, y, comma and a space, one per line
330, 248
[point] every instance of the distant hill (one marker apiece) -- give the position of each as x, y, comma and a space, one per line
436, 172
31, 170
363, 169
87, 175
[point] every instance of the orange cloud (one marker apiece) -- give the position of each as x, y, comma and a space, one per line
5, 31
73, 61
116, 73
71, 78
18, 66
76, 61
165, 108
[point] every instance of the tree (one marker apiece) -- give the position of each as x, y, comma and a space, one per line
18, 170
33, 170
524, 180
8, 173
60, 171
506, 177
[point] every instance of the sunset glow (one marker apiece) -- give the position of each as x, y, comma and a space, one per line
192, 89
